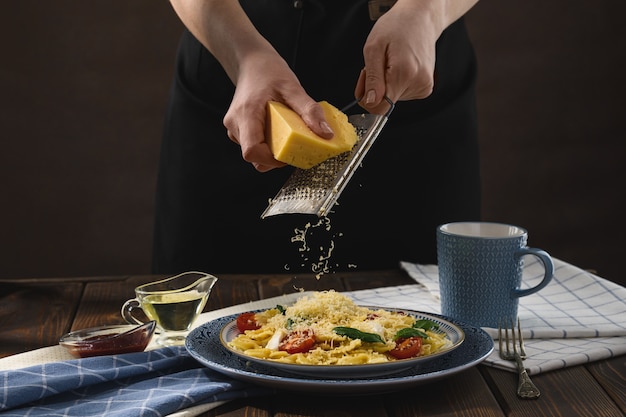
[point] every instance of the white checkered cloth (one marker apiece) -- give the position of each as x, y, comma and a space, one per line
577, 318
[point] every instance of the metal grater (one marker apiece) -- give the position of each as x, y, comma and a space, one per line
316, 190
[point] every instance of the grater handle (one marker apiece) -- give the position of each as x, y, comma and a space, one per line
356, 101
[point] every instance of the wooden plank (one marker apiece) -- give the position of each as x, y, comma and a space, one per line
249, 407
278, 284
560, 395
101, 304
35, 315
275, 285
231, 290
463, 394
62, 280
611, 375
375, 279
301, 405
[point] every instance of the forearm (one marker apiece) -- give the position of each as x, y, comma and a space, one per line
442, 12
224, 29
455, 9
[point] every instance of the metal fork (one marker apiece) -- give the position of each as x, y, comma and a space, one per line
525, 387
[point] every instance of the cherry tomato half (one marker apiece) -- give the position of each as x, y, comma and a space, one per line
297, 342
407, 348
247, 321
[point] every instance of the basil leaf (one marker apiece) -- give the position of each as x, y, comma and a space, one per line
353, 333
425, 324
409, 332
281, 309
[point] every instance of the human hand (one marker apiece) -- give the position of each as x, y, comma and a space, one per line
259, 73
399, 64
265, 76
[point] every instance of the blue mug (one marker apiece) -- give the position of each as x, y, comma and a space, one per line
480, 271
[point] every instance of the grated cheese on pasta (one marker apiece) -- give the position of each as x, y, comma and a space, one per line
321, 312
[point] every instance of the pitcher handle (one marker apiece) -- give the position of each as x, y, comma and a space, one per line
127, 311
548, 266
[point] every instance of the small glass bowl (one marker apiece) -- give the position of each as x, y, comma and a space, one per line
108, 340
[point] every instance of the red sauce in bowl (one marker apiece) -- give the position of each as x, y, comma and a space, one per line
108, 340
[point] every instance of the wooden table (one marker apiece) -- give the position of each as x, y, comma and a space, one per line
35, 313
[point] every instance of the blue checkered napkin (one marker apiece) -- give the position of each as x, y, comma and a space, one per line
153, 383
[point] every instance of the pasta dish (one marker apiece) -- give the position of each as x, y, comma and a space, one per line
328, 328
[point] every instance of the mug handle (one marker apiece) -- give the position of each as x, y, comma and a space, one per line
127, 311
548, 266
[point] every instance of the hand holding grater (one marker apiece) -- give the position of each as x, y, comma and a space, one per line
316, 190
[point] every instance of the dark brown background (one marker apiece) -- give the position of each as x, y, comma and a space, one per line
83, 86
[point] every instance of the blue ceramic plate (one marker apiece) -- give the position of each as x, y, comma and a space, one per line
205, 345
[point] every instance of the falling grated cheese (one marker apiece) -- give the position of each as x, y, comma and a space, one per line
323, 264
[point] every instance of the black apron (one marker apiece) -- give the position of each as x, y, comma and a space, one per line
422, 171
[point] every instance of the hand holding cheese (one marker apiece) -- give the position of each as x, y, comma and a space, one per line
294, 143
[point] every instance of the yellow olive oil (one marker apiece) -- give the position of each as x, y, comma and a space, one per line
174, 312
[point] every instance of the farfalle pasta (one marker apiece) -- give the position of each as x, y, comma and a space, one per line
328, 328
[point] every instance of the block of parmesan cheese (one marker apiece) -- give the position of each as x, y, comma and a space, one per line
293, 143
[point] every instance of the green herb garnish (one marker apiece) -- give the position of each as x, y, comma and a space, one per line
425, 324
409, 332
353, 333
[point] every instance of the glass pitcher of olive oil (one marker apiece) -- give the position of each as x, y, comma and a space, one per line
174, 303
